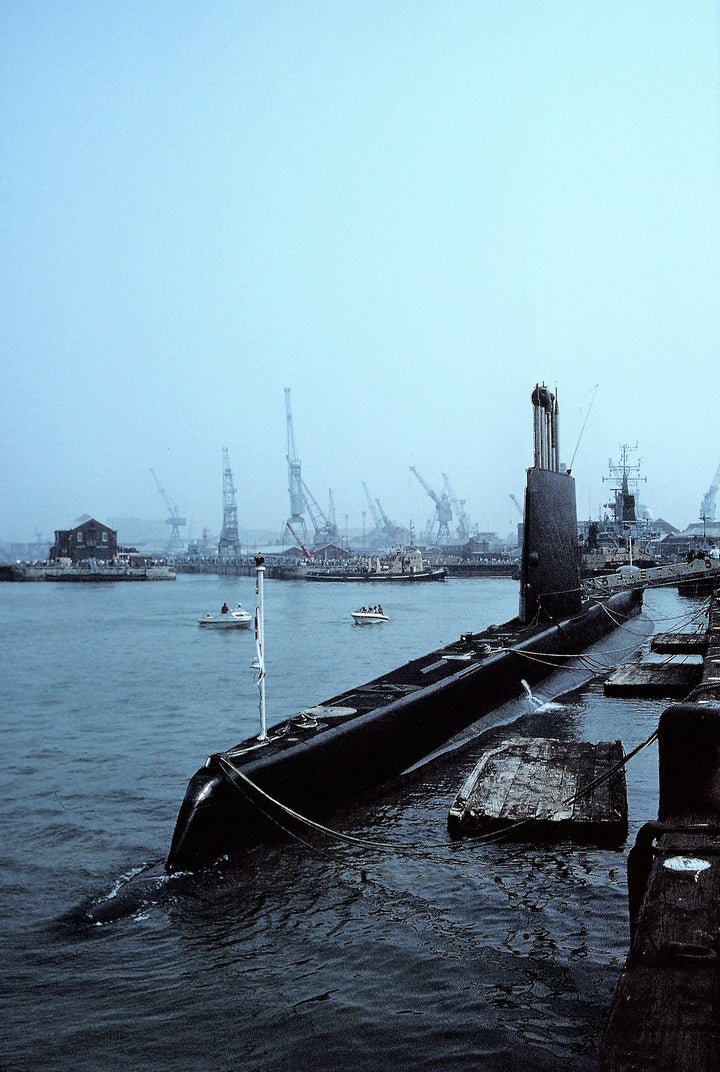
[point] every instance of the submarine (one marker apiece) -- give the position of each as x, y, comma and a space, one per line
311, 762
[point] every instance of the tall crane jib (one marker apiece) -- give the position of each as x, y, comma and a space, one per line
463, 522
174, 520
297, 498
325, 529
707, 506
296, 522
229, 542
301, 498
373, 508
443, 508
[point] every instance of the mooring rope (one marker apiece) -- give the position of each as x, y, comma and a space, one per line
548, 658
312, 824
419, 851
696, 615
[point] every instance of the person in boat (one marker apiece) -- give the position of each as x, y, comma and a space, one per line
224, 609
380, 610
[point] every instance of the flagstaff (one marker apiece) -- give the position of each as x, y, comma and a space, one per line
259, 664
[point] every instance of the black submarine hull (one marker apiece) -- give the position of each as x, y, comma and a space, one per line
229, 804
374, 732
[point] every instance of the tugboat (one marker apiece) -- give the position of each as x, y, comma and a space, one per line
404, 565
360, 738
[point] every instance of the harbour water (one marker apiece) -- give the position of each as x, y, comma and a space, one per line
393, 947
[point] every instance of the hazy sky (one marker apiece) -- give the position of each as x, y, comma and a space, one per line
406, 212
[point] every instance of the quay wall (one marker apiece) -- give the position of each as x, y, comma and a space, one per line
245, 567
666, 1011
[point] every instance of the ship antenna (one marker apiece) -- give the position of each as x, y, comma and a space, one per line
592, 392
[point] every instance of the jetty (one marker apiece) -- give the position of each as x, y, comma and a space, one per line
666, 1011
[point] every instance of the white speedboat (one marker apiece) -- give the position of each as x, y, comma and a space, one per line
229, 619
369, 616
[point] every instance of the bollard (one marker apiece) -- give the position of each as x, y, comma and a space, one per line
689, 760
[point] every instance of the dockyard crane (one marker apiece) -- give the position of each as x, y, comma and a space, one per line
707, 507
463, 524
518, 507
393, 532
384, 527
325, 530
373, 508
229, 542
443, 509
308, 555
390, 529
295, 483
175, 521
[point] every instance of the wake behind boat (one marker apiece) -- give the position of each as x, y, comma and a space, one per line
369, 615
370, 733
228, 619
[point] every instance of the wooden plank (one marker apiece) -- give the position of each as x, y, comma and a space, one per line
480, 791
601, 793
532, 783
618, 787
505, 769
552, 789
585, 775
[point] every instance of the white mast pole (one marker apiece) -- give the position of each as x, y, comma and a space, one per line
260, 639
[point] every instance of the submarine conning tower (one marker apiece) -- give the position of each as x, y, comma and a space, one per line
550, 566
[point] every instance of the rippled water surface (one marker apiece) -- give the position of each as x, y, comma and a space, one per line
392, 948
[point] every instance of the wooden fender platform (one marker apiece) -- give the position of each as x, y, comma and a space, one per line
547, 789
670, 681
680, 643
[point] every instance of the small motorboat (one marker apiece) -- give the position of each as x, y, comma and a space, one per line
228, 619
369, 615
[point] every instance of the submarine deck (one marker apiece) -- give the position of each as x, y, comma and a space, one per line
463, 656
